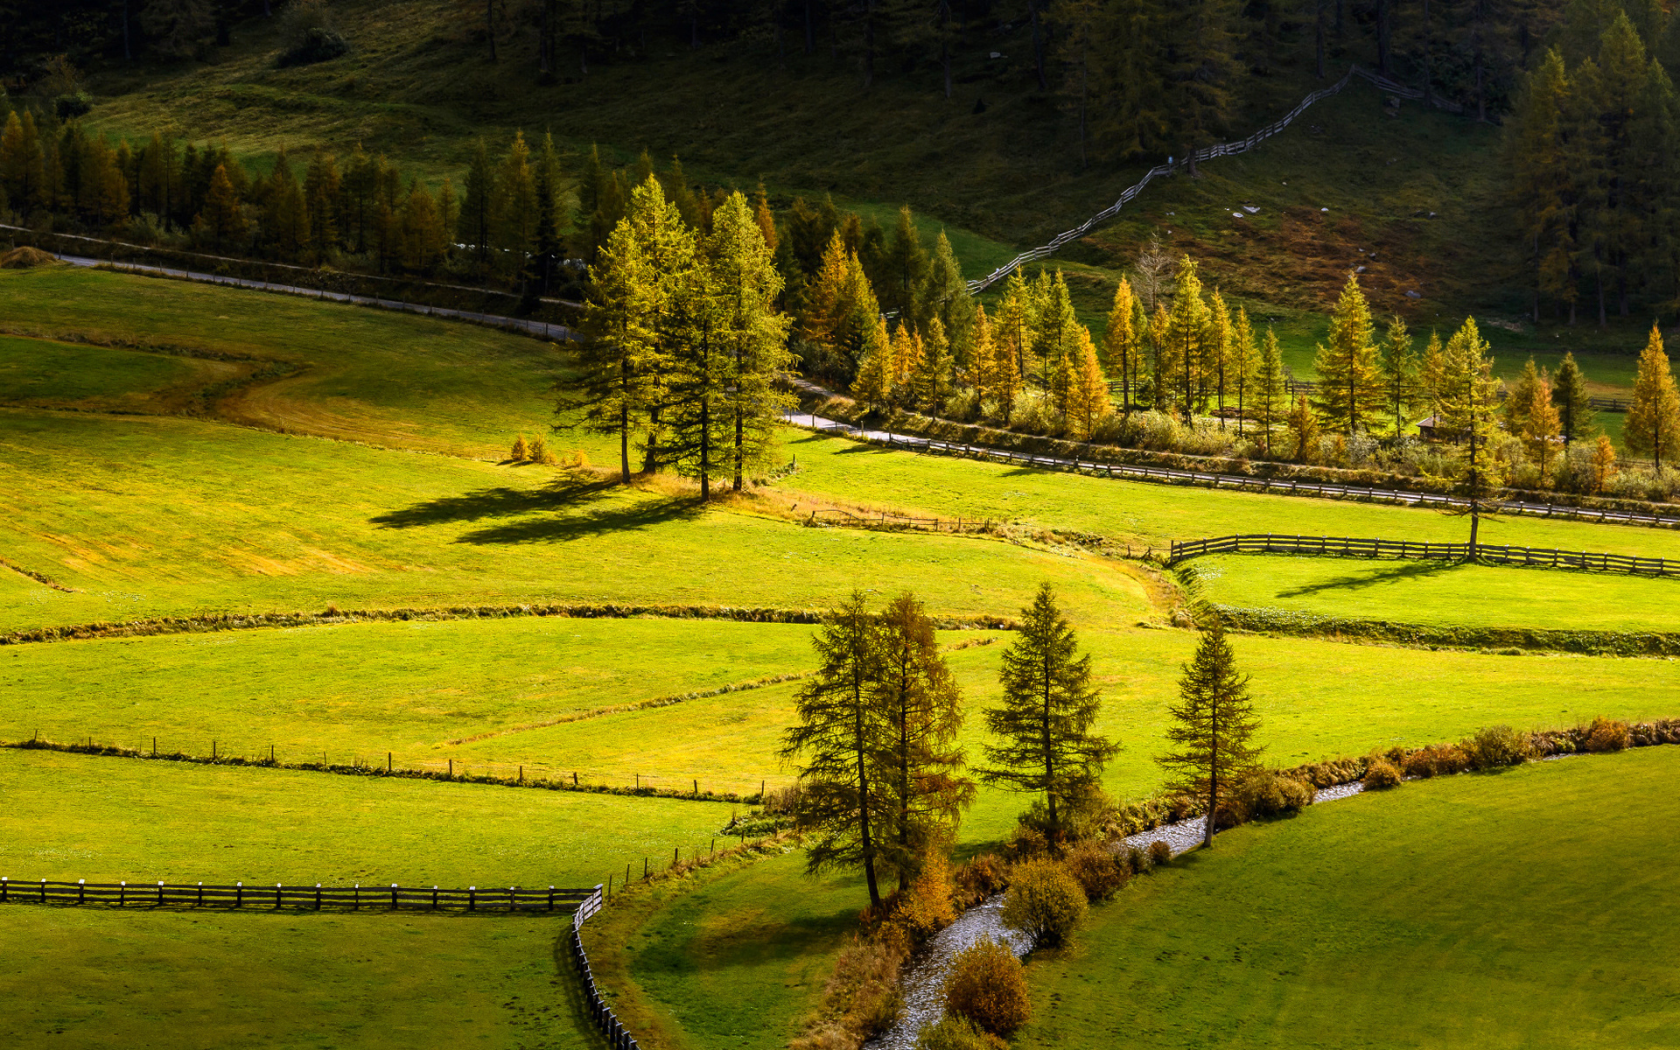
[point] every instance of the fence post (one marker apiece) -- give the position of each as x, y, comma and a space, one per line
81, 890
393, 896
277, 895
239, 895
472, 898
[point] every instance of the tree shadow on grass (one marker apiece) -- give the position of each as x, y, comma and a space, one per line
569, 508
1401, 572
763, 938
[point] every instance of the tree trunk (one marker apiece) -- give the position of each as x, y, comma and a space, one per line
1038, 46
1049, 756
868, 845
624, 443
1213, 779
810, 31
490, 26
128, 54
1428, 92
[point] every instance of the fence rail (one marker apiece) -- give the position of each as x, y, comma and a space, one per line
1349, 547
1233, 482
618, 1037
1224, 149
299, 896
886, 519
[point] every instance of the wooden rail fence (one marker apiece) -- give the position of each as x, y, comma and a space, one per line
1496, 554
1223, 149
885, 519
298, 896
599, 1012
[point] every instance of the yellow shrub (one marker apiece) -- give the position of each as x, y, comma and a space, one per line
988, 987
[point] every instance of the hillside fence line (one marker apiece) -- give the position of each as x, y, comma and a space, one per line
1349, 547
1235, 482
277, 896
1223, 149
618, 1037
1601, 403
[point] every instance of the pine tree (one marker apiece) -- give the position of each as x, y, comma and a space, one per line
1050, 709
1399, 372
514, 208
1540, 427
945, 295
222, 219
1244, 362
1604, 464
625, 352
1121, 342
1216, 354
1543, 185
1470, 406
906, 355
1521, 399
1200, 46
754, 333
360, 189
423, 237
1005, 375
1303, 431
547, 245
1349, 388
320, 195
1053, 337
1271, 391
1653, 423
932, 381
837, 742
23, 164
1213, 727
982, 374
160, 179
906, 269
922, 766
1432, 373
1569, 393
1182, 338
1088, 393
1014, 329
873, 384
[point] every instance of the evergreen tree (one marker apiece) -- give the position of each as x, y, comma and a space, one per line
23, 164
1543, 186
753, 332
921, 765
1055, 338
982, 373
548, 248
160, 179
1121, 342
514, 208
1350, 392
1303, 431
1470, 406
1604, 464
1213, 727
1540, 428
906, 269
873, 384
945, 295
1201, 62
1183, 339
1216, 354
1399, 372
424, 239
1432, 373
1244, 362
222, 219
625, 352
1271, 391
1653, 423
837, 741
1088, 392
1050, 709
1004, 371
1521, 399
932, 383
1014, 329
361, 189
320, 195
1569, 393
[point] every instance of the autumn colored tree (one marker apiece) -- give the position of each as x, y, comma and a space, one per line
1653, 422
1350, 391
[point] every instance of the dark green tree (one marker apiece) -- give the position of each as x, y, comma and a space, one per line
1050, 708
1569, 393
1213, 726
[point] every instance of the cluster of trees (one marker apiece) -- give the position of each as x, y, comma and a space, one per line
684, 348
510, 220
883, 782
1593, 171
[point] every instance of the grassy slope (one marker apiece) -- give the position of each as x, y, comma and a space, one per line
1443, 593
103, 819
1154, 514
1474, 911
182, 980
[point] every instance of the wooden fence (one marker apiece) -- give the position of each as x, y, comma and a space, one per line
1240, 483
1223, 149
302, 897
883, 519
617, 1036
1347, 547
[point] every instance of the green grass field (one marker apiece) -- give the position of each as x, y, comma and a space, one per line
167, 979
1477, 911
1442, 593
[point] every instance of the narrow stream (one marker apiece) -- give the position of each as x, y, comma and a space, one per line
924, 983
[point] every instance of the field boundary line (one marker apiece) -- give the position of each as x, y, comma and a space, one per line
276, 896
390, 772
1508, 640
40, 578
207, 623
1418, 550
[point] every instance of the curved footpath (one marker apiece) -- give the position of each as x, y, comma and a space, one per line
924, 984
1133, 472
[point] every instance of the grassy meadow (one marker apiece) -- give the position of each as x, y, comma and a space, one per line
1475, 911
1442, 593
171, 979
